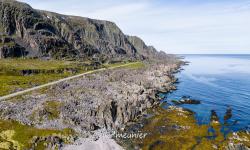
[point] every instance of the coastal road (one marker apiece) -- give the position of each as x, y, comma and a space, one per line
59, 81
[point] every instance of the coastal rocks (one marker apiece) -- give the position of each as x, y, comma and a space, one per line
239, 146
186, 100
239, 141
108, 99
214, 117
50, 142
177, 128
228, 114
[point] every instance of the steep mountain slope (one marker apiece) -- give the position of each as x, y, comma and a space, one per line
148, 52
25, 31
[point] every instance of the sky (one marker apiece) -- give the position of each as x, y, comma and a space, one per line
173, 26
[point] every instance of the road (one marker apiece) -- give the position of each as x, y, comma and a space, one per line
58, 81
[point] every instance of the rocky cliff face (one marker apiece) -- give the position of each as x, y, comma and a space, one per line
148, 52
8, 48
47, 34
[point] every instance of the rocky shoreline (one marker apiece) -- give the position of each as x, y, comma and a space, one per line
105, 100
119, 100
176, 128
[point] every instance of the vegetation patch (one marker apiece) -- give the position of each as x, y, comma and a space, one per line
14, 135
53, 109
136, 65
176, 128
39, 64
132, 65
19, 74
10, 44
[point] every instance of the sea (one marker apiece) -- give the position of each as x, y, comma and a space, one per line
220, 82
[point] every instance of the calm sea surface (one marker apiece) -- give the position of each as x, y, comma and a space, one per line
219, 81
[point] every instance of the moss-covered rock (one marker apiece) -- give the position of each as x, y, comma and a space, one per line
176, 128
14, 135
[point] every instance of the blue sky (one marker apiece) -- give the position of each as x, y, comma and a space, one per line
174, 26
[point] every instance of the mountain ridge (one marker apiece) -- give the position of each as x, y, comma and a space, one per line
27, 32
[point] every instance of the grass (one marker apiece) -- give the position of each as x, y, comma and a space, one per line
14, 135
10, 44
25, 64
53, 108
13, 80
10, 84
136, 65
133, 65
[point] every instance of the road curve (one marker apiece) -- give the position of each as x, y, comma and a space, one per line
58, 81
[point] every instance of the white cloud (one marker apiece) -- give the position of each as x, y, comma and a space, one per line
215, 27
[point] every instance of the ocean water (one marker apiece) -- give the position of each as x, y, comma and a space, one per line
220, 82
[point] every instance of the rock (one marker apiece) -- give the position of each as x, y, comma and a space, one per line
239, 146
155, 144
51, 35
186, 100
8, 48
51, 142
228, 114
148, 52
214, 117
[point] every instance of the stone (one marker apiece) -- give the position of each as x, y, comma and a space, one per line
214, 117
186, 100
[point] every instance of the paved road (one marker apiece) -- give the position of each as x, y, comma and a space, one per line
56, 82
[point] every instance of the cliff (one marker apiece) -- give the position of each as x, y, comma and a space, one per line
37, 33
148, 51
